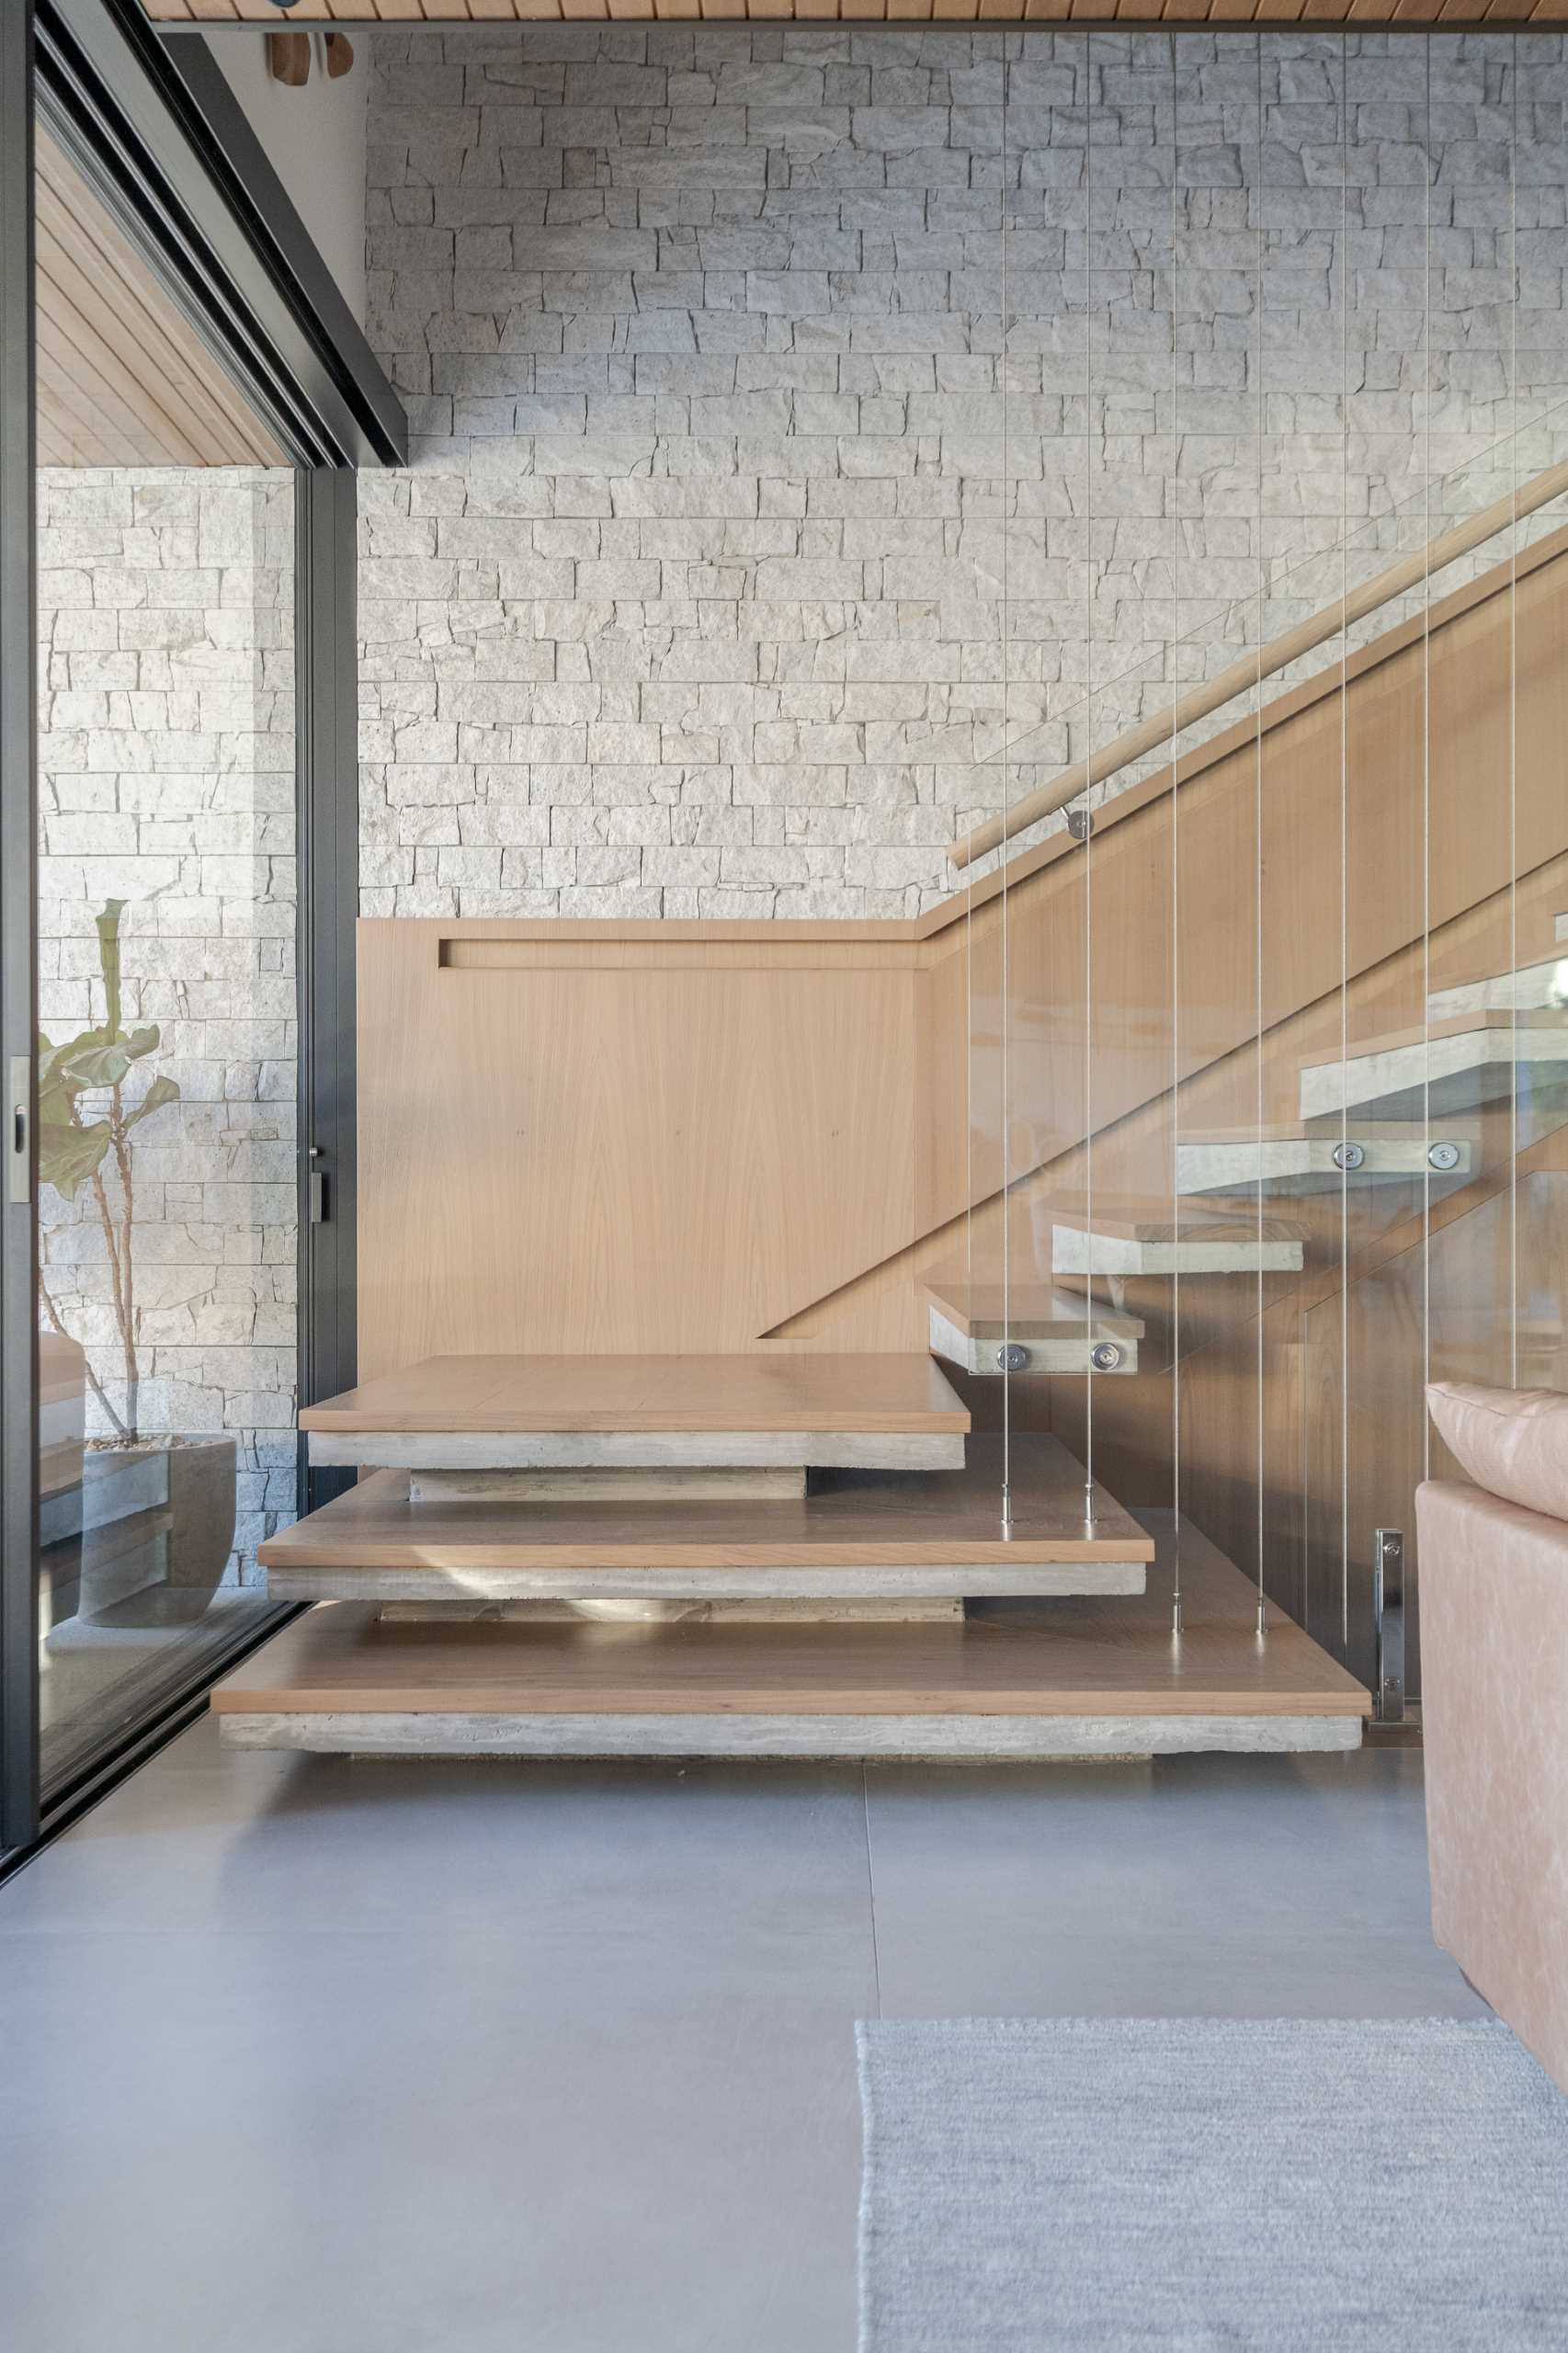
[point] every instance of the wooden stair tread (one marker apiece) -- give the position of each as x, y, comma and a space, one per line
855, 1520
1133, 1218
643, 1394
988, 1310
1085, 1657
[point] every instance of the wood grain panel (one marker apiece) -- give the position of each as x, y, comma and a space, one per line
655, 1158
124, 379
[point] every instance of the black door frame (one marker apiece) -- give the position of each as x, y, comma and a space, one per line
18, 959
168, 148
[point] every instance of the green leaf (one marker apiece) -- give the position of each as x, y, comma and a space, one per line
141, 1041
68, 1156
65, 1057
108, 960
161, 1091
56, 1091
81, 1064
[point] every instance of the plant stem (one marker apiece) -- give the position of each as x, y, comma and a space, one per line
100, 1195
120, 1141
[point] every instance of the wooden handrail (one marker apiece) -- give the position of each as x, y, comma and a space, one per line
1150, 735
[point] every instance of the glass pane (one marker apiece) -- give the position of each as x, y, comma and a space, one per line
167, 987
1280, 373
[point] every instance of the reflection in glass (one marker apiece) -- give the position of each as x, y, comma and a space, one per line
167, 1052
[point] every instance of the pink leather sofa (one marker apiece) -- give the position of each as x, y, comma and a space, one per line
1493, 1598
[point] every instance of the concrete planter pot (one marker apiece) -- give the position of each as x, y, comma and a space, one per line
157, 1524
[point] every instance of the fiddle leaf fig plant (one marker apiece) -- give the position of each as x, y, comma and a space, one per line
84, 1125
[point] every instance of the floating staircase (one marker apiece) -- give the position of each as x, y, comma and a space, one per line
877, 1603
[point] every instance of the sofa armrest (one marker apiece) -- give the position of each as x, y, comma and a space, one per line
1494, 1599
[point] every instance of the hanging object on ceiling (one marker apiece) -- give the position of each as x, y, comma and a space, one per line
288, 59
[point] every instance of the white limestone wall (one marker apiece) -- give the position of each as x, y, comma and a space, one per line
723, 500
167, 778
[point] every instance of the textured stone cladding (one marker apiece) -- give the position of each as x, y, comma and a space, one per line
166, 780
728, 486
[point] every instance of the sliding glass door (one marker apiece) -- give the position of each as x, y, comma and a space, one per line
167, 1051
184, 400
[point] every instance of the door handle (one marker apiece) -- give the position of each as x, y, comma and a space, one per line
18, 1138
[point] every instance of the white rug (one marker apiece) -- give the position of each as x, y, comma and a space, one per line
1178, 2185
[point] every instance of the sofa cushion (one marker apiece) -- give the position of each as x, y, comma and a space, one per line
1513, 1442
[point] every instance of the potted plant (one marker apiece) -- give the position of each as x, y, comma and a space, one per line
89, 1106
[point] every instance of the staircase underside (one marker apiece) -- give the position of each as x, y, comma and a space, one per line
1075, 1678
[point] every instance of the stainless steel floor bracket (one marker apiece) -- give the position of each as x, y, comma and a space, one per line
1388, 1611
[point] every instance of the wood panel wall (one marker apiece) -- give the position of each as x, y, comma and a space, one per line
622, 1138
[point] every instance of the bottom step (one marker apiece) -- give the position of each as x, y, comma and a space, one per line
1017, 1679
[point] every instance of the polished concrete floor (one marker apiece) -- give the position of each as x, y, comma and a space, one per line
320, 2057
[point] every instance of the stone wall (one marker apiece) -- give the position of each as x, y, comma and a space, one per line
723, 502
166, 780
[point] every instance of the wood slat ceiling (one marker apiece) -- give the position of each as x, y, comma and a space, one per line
1322, 15
123, 379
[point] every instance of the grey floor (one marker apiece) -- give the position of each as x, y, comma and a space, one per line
319, 2057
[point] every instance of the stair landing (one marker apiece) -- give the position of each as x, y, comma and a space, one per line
1038, 1679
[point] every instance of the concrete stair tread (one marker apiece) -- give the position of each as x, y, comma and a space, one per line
1449, 1065
1129, 1234
1540, 984
1287, 1160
